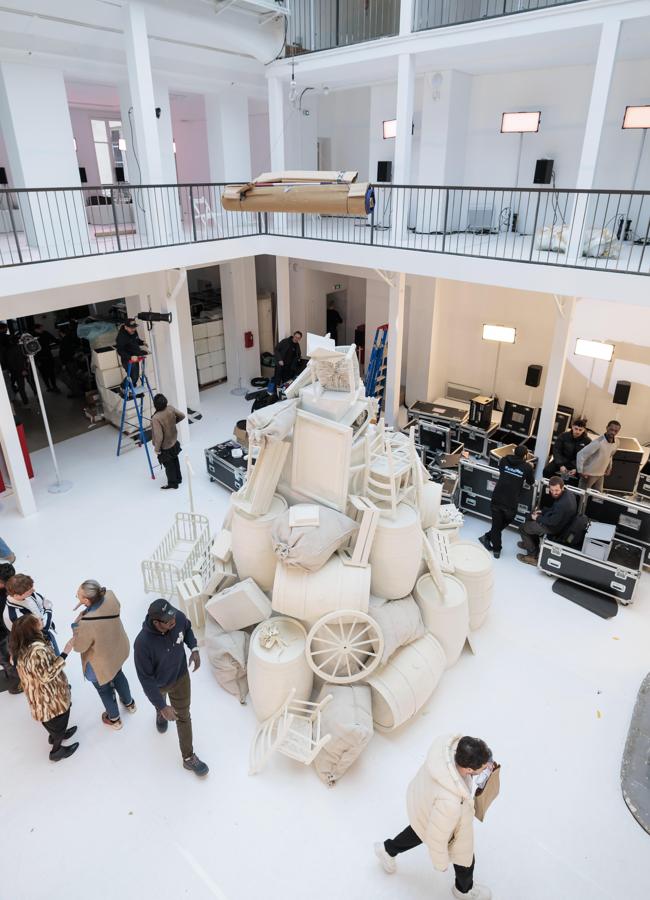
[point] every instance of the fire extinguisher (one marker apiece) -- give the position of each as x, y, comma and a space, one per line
248, 340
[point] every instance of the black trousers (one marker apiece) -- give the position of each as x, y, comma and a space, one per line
47, 370
172, 468
531, 532
501, 518
57, 728
408, 839
13, 681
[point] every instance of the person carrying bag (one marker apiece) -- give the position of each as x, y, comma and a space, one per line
164, 437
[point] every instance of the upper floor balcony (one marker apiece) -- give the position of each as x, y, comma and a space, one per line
324, 25
602, 231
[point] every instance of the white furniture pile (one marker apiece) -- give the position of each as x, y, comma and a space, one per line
338, 591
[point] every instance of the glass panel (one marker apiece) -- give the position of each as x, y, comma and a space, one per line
104, 163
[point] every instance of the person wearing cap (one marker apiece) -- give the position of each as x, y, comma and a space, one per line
129, 347
161, 666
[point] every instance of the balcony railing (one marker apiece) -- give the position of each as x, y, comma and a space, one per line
440, 13
323, 24
601, 230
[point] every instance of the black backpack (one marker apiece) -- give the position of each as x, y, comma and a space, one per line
574, 534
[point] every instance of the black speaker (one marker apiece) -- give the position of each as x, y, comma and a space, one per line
621, 393
119, 174
3, 175
384, 171
83, 178
543, 171
533, 376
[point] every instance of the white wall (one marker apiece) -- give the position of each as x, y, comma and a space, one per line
190, 135
260, 146
344, 117
620, 149
383, 107
82, 130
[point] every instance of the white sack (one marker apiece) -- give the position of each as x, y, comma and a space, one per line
348, 719
272, 423
308, 547
227, 653
400, 622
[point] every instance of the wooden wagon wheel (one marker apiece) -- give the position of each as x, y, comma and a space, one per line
344, 646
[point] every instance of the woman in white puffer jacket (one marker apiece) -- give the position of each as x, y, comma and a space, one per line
440, 804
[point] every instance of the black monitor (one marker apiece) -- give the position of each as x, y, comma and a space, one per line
517, 418
562, 421
83, 177
434, 437
119, 174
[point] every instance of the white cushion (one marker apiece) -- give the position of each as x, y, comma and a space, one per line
348, 719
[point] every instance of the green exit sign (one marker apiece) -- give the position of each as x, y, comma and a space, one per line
338, 287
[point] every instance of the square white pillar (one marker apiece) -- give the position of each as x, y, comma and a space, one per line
229, 142
403, 147
239, 302
277, 102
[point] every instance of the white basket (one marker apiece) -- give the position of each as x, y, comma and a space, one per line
178, 556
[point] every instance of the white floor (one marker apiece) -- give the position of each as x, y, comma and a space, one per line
551, 689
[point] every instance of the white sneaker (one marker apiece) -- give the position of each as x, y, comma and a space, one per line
478, 892
388, 862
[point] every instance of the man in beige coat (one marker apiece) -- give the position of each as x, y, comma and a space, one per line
440, 806
164, 437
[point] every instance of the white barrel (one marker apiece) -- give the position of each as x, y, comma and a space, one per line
430, 497
446, 618
251, 543
310, 595
396, 554
473, 566
274, 672
405, 683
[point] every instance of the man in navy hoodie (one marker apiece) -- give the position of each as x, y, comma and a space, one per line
161, 665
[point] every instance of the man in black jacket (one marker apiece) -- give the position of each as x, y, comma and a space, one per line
553, 520
287, 355
161, 666
514, 473
566, 448
11, 675
129, 347
45, 359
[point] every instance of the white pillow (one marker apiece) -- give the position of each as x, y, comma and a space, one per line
308, 547
348, 719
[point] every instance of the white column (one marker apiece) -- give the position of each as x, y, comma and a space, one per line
13, 456
184, 319
422, 324
228, 130
283, 296
176, 283
396, 296
603, 75
403, 145
277, 112
553, 383
38, 136
138, 62
406, 16
168, 197
239, 301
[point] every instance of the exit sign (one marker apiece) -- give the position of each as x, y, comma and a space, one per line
338, 287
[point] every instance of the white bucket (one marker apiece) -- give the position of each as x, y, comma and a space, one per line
251, 543
405, 683
396, 554
446, 618
310, 595
274, 672
473, 566
430, 497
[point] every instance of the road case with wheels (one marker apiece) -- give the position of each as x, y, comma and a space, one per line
617, 576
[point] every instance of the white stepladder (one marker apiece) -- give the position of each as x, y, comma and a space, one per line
294, 730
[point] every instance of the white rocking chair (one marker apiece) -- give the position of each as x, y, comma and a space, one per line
294, 730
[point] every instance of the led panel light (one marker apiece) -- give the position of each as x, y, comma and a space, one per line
520, 122
502, 333
121, 144
636, 117
390, 128
594, 349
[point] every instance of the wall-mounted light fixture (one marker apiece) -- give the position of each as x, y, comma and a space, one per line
390, 128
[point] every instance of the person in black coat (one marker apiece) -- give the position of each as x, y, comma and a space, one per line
15, 362
287, 356
130, 345
553, 520
11, 675
566, 448
514, 473
45, 359
333, 319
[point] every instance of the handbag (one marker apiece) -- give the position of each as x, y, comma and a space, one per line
485, 796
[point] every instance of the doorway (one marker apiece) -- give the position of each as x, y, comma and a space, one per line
339, 300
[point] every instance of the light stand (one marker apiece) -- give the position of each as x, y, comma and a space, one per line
500, 334
588, 388
31, 347
593, 350
520, 123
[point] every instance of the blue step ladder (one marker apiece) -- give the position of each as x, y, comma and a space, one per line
136, 393
375, 382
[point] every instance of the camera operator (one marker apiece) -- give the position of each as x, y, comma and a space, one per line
129, 347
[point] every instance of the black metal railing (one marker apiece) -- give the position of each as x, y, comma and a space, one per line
323, 24
440, 13
603, 230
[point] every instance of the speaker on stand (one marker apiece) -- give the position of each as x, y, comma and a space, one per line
383, 208
533, 380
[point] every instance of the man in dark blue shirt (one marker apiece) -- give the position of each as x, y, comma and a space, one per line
161, 665
514, 473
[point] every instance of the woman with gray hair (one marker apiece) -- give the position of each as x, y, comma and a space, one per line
98, 634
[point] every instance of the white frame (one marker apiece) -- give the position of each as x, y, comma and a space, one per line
333, 444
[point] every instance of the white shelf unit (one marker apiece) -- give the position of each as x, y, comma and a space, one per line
209, 349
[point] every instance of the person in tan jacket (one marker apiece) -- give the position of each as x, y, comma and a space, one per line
100, 638
44, 683
164, 437
440, 806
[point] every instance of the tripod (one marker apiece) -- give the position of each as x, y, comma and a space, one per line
136, 393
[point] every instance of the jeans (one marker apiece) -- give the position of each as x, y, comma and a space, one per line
593, 482
107, 691
179, 699
57, 728
531, 532
50, 636
5, 550
408, 839
501, 518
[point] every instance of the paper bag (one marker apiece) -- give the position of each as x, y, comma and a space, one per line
489, 793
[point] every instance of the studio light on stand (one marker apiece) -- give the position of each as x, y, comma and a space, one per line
149, 318
520, 123
593, 350
501, 334
31, 346
635, 118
